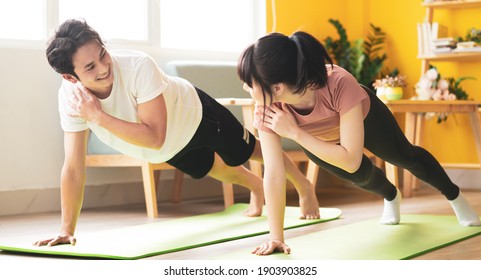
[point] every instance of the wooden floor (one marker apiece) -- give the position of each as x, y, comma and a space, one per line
356, 206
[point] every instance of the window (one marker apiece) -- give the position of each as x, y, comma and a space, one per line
113, 19
22, 20
217, 25
212, 25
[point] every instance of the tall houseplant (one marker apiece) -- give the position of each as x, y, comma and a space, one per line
362, 58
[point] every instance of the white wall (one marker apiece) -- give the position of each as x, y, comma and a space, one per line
31, 139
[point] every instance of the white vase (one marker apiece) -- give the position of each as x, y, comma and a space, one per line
381, 93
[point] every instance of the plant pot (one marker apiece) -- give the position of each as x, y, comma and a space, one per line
393, 93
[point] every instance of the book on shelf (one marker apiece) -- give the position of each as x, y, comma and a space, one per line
442, 50
424, 37
445, 41
438, 31
433, 39
421, 50
443, 45
473, 49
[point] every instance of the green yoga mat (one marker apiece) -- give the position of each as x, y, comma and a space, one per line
157, 238
368, 240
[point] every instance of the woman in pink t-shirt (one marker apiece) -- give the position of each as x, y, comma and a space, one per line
302, 96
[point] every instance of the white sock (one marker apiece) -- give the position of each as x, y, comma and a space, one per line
391, 214
464, 212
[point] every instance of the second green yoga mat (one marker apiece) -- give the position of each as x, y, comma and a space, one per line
162, 237
368, 240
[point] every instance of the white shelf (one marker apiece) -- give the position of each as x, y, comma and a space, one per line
452, 4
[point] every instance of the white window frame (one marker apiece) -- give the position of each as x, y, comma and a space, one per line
153, 41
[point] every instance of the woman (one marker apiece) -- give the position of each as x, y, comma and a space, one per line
302, 96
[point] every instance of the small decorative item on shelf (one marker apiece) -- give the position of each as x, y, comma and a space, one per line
390, 87
471, 43
431, 86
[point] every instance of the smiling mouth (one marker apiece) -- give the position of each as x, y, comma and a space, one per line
105, 76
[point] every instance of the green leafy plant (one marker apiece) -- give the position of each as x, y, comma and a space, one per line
373, 62
362, 58
455, 88
340, 50
474, 35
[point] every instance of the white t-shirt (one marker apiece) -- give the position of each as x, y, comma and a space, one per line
138, 79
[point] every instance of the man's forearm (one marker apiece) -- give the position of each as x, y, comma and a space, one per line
72, 192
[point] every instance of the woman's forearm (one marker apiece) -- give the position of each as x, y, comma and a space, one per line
331, 153
274, 183
275, 196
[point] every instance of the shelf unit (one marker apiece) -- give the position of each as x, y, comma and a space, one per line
460, 56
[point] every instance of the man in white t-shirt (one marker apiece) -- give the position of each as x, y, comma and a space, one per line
134, 107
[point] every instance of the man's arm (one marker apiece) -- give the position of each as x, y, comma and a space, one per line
149, 132
72, 182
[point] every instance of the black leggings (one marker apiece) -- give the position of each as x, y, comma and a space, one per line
384, 138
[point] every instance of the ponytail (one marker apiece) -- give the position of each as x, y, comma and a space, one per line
311, 62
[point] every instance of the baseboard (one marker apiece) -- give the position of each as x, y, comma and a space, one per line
96, 196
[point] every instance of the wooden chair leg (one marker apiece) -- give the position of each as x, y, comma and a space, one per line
312, 172
149, 190
157, 174
392, 174
178, 180
228, 190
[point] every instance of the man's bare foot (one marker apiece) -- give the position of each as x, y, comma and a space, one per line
255, 205
309, 206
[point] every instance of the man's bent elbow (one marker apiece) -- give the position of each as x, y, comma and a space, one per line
157, 143
353, 165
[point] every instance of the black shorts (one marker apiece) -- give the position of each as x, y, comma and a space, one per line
219, 132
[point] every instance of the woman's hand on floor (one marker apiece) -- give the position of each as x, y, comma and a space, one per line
271, 246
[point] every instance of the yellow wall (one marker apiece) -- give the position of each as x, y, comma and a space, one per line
451, 141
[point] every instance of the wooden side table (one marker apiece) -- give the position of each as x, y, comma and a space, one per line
414, 124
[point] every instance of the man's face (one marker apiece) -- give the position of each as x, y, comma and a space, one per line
93, 65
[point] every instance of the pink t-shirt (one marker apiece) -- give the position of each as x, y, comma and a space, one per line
341, 94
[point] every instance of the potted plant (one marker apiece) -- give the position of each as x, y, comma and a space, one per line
363, 58
432, 86
391, 86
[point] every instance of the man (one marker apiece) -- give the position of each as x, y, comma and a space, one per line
134, 107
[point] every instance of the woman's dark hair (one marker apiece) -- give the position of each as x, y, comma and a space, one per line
298, 60
69, 36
